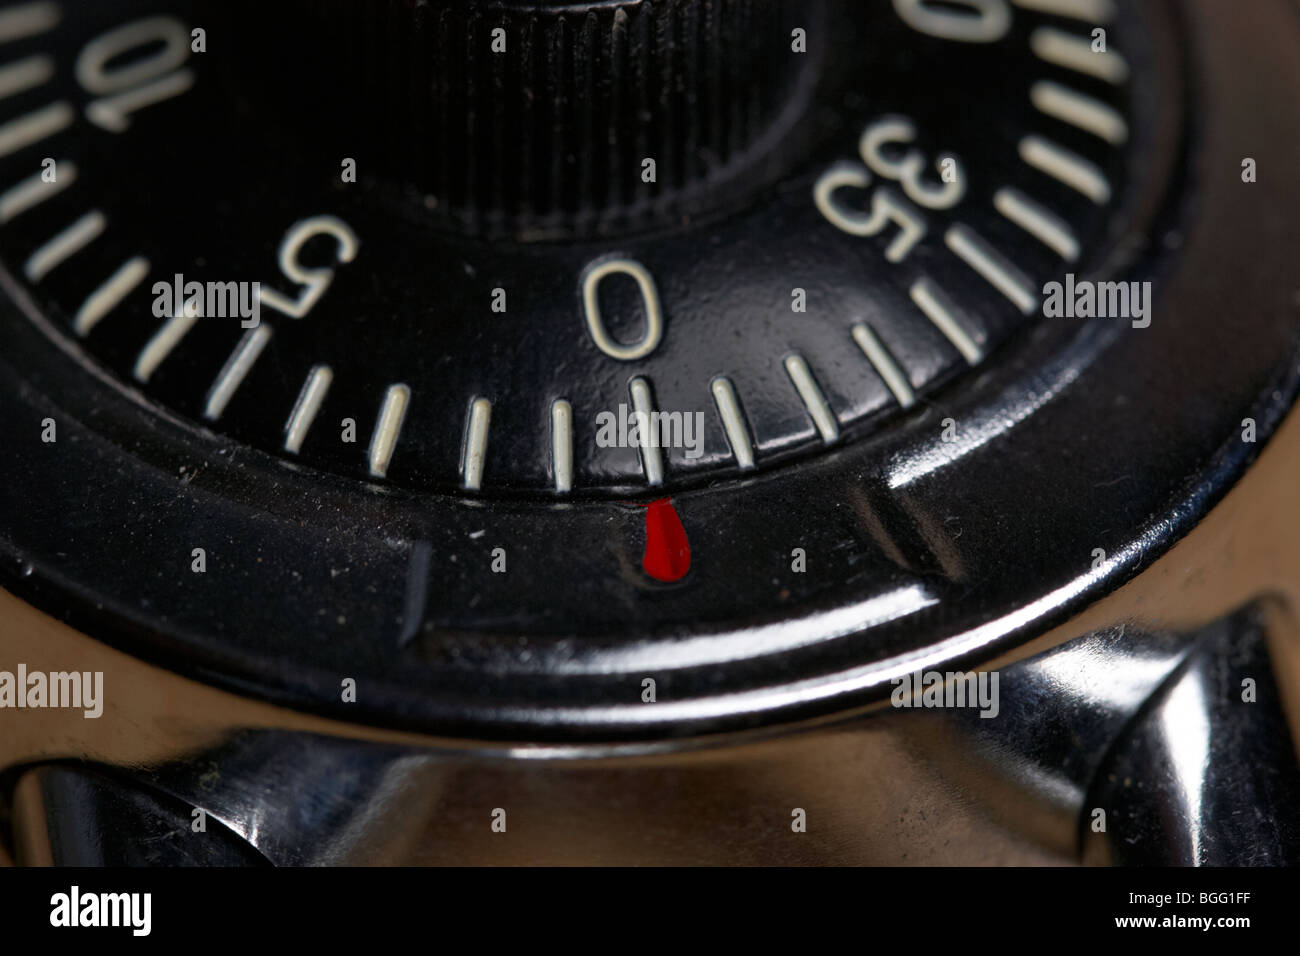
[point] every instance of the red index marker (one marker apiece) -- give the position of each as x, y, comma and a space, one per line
667, 552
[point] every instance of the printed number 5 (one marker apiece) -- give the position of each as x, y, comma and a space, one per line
315, 280
886, 207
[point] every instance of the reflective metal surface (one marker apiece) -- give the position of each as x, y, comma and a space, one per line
1149, 729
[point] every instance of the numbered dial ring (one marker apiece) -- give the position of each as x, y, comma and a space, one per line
236, 243
416, 465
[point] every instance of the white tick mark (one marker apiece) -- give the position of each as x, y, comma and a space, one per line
884, 364
1066, 167
35, 190
34, 127
1088, 114
651, 461
733, 421
167, 338
992, 265
235, 370
476, 438
813, 399
1041, 223
1075, 53
931, 300
305, 408
27, 20
25, 74
562, 444
388, 428
65, 245
109, 295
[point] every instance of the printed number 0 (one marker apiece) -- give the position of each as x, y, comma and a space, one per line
654, 319
315, 280
990, 22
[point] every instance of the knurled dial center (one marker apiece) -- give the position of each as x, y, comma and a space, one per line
537, 118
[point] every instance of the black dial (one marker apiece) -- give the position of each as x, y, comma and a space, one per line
831, 255
485, 235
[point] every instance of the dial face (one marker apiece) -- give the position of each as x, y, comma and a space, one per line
262, 235
485, 242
